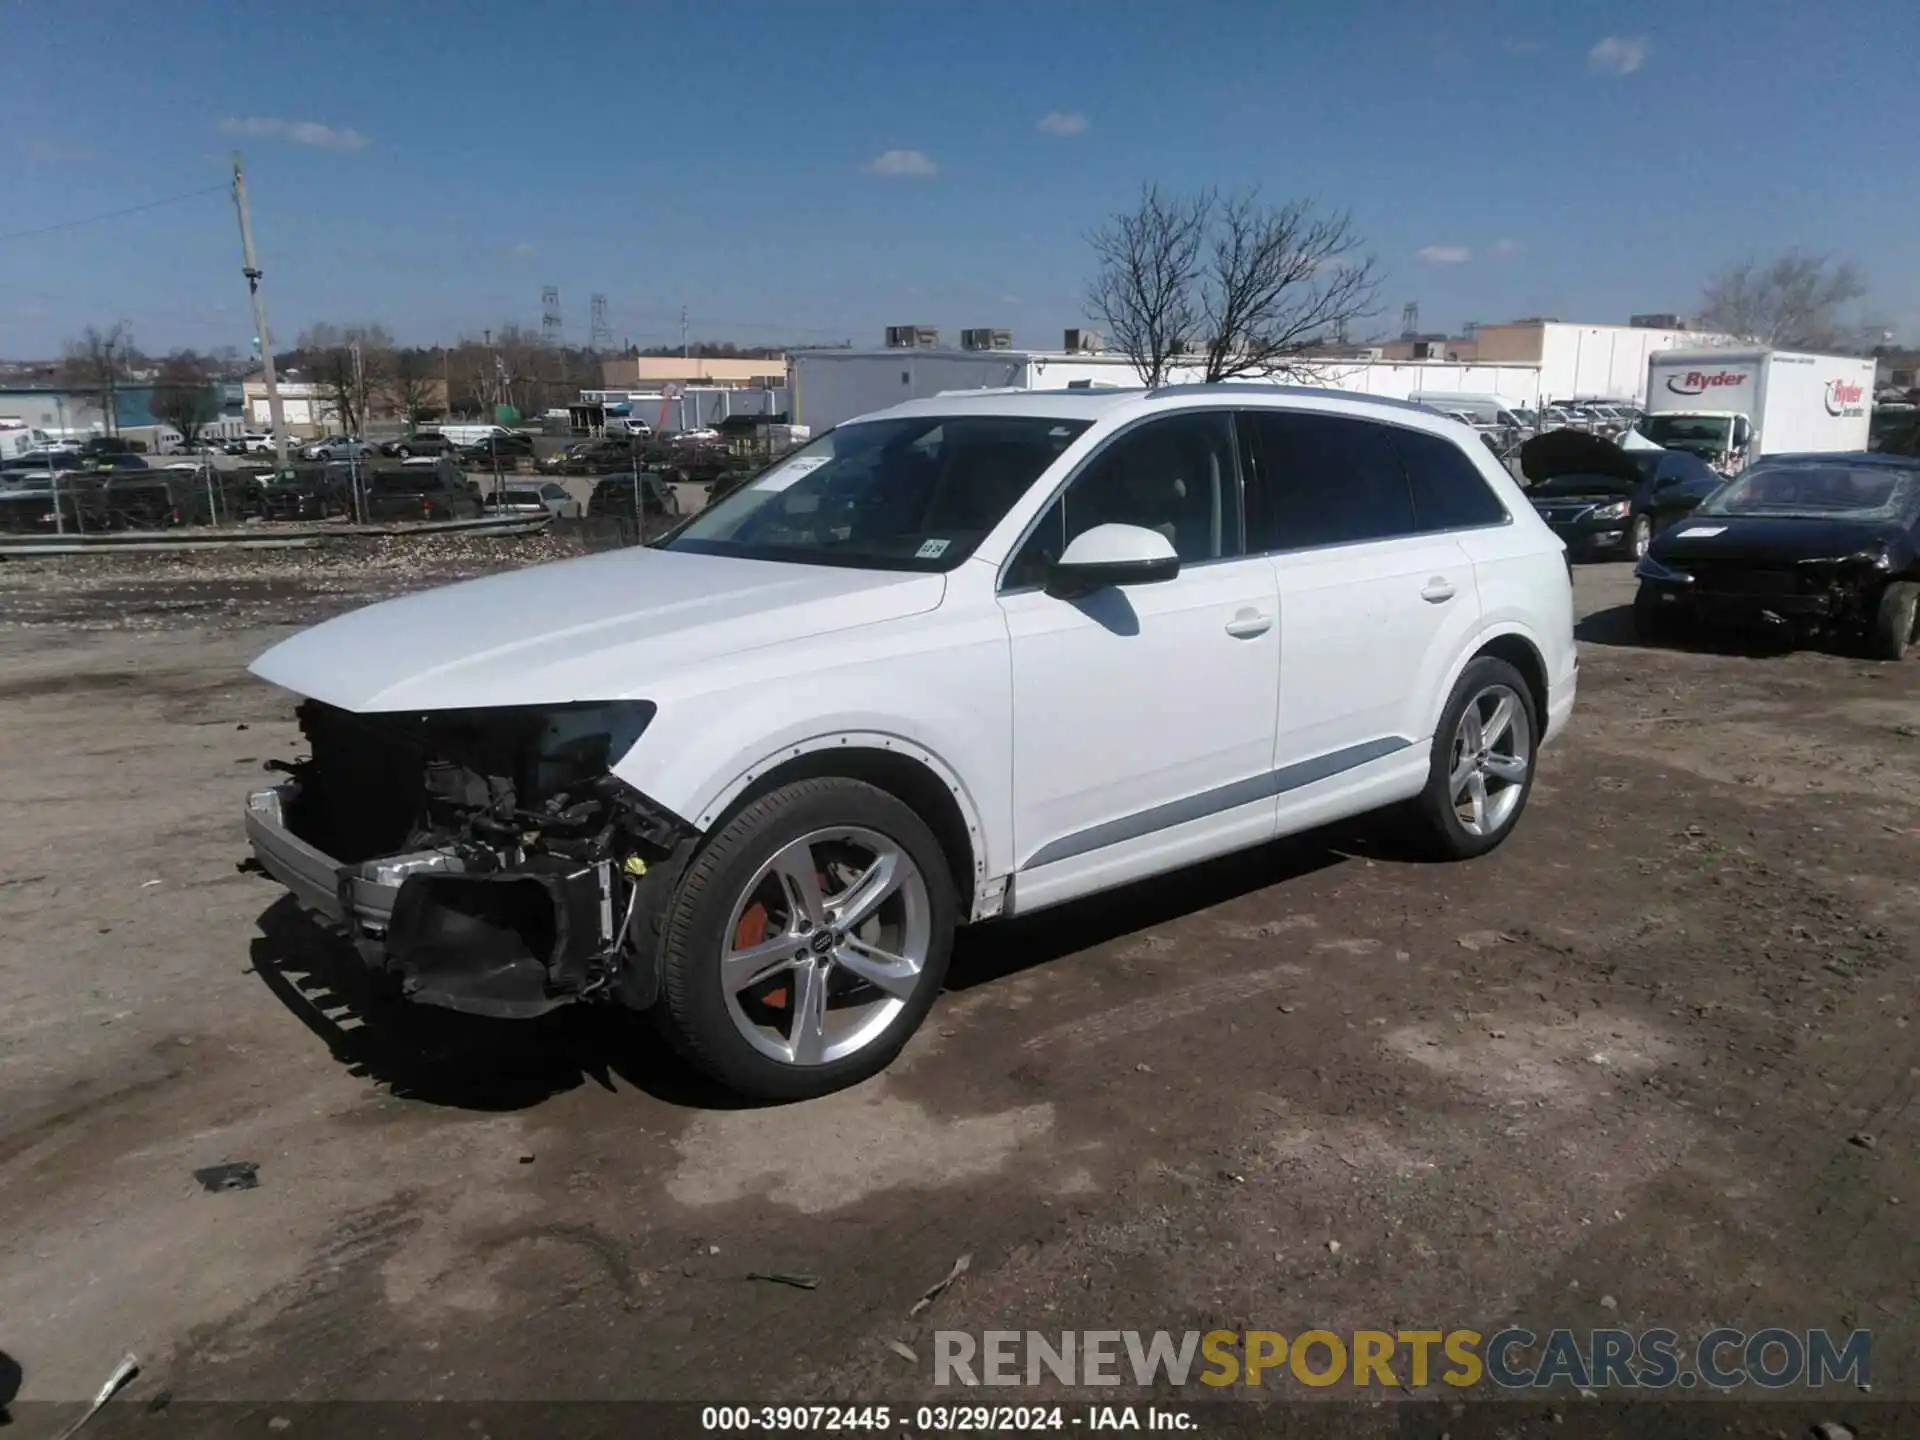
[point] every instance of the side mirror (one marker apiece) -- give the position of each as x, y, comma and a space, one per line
1112, 555
1742, 432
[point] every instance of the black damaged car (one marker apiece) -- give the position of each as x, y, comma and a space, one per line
1805, 547
1608, 502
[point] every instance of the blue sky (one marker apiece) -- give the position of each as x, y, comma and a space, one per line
815, 170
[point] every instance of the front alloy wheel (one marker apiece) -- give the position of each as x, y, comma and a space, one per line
826, 945
807, 940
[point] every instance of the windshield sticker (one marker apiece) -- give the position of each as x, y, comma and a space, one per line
1701, 532
793, 470
932, 550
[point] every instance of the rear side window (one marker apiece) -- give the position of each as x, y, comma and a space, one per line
1324, 480
1449, 493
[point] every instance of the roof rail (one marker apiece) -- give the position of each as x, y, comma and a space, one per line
1308, 392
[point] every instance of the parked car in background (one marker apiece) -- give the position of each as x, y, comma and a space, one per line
1806, 547
218, 497
501, 451
423, 443
592, 457
615, 496
115, 462
413, 492
542, 499
916, 675
1606, 502
43, 462
342, 448
317, 493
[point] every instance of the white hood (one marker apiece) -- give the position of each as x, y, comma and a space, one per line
603, 627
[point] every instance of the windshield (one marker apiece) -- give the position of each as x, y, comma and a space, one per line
1824, 492
1696, 433
901, 494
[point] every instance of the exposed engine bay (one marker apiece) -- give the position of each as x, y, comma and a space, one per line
488, 859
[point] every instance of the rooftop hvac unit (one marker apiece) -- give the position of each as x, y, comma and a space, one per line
912, 337
986, 339
1083, 342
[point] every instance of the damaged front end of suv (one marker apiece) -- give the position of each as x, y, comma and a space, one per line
489, 860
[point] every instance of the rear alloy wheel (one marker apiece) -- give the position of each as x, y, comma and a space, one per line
1481, 769
808, 940
1639, 537
1896, 621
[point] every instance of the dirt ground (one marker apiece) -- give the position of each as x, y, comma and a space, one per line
1651, 1063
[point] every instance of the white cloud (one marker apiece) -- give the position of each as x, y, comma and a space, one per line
55, 152
1445, 254
300, 132
522, 251
1503, 248
1618, 55
912, 164
1062, 122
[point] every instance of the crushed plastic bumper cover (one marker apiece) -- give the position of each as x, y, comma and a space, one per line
487, 860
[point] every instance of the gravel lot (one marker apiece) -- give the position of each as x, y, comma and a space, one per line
1652, 1063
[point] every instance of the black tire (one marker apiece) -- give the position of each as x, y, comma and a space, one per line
1439, 832
1892, 632
1653, 622
693, 1012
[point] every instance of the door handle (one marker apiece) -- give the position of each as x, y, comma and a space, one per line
1249, 623
1438, 590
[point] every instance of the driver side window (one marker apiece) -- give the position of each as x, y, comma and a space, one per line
1176, 475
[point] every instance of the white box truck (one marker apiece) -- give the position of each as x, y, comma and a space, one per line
1730, 407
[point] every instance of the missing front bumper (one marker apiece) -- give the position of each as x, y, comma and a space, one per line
510, 944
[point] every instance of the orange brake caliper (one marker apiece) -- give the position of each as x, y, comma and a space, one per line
753, 931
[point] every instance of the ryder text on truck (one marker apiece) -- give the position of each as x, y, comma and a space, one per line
1732, 407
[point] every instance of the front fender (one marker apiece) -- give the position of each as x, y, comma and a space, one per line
949, 709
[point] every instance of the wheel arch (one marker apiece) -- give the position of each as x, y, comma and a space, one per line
1518, 650
910, 773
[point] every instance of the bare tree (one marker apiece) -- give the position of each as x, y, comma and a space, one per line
413, 385
96, 365
1149, 265
1795, 301
184, 395
349, 364
1254, 287
340, 388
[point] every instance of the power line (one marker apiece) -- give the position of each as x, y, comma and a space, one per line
112, 214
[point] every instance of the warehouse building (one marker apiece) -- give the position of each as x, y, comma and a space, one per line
830, 386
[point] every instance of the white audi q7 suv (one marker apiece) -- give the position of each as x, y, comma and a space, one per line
965, 658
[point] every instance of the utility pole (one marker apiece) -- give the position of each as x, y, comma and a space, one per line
112, 416
250, 267
683, 332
